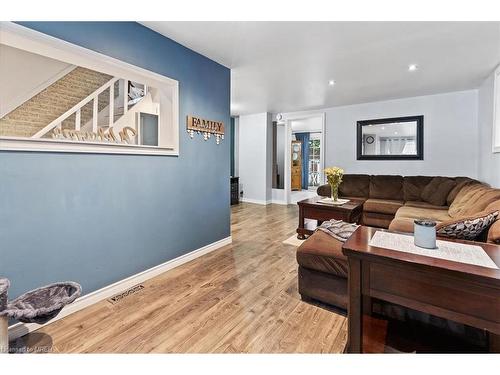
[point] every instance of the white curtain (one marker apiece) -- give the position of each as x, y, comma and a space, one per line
397, 146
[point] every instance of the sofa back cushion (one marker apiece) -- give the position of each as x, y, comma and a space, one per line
437, 190
386, 187
461, 182
413, 186
355, 185
472, 199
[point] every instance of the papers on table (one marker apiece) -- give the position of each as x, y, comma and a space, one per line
454, 251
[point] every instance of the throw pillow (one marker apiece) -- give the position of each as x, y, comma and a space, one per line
437, 191
468, 228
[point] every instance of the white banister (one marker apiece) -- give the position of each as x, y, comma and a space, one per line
78, 119
95, 113
125, 96
76, 107
111, 105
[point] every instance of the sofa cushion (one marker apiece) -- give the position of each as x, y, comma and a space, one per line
355, 185
473, 199
437, 190
359, 199
413, 186
375, 219
322, 252
383, 206
493, 235
422, 213
467, 228
386, 187
324, 190
421, 204
463, 196
402, 224
460, 183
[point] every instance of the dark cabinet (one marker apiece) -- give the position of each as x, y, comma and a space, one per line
235, 190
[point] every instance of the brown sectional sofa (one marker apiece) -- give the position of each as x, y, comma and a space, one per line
390, 202
393, 202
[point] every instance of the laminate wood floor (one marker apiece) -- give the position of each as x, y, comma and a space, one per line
241, 298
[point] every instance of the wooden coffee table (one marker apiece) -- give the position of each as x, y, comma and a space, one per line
313, 209
456, 291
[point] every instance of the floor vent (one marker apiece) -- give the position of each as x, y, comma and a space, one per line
121, 296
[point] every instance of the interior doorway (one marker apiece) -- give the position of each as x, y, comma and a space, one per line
298, 159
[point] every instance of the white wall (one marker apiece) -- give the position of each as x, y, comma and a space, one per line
450, 135
255, 157
269, 157
307, 125
489, 163
23, 72
280, 153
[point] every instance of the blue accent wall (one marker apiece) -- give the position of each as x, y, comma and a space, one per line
96, 218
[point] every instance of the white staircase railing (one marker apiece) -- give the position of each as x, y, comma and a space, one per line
95, 110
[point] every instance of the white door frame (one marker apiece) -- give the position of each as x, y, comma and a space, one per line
288, 118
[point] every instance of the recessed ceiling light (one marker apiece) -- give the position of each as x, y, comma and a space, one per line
412, 67
331, 82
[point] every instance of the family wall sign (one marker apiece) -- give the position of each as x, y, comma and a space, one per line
206, 127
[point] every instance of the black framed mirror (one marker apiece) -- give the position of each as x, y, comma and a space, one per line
397, 138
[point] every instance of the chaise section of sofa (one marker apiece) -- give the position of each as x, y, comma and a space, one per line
323, 270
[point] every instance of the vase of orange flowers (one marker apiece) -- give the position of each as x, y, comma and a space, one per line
334, 178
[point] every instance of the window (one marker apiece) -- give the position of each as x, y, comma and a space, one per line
314, 161
496, 111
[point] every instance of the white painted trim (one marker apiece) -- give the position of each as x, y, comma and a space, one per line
256, 201
263, 202
288, 162
63, 145
20, 329
4, 335
279, 201
24, 38
496, 110
20, 99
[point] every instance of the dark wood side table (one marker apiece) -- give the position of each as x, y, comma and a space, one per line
313, 209
456, 291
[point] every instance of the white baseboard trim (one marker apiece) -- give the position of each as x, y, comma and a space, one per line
278, 201
256, 201
21, 329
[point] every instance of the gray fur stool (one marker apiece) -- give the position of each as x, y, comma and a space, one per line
36, 306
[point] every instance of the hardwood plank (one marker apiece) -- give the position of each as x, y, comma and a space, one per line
239, 299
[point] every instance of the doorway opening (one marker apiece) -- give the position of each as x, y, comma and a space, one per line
298, 156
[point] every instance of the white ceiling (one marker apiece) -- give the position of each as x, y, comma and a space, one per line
285, 66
